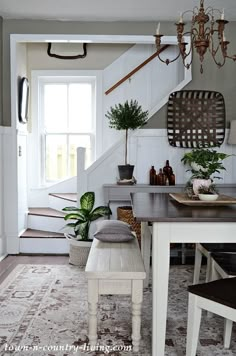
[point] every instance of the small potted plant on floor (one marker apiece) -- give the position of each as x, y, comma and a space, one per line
204, 163
82, 217
127, 116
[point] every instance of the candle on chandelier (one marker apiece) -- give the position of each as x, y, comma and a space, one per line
222, 17
181, 18
158, 29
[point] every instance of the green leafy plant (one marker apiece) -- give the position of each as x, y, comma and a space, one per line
204, 162
83, 216
211, 189
127, 116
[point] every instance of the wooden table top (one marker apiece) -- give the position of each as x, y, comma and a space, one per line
160, 207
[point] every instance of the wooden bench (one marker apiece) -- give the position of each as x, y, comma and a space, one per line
115, 268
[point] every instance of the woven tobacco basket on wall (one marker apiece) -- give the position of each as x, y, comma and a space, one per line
196, 118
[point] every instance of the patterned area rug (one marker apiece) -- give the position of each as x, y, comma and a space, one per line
43, 311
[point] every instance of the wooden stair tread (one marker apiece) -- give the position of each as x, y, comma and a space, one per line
31, 233
46, 212
66, 196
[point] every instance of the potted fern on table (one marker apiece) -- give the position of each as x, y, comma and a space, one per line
80, 219
204, 164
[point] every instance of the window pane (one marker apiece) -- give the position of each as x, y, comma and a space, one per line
55, 107
61, 161
56, 157
80, 107
79, 141
67, 108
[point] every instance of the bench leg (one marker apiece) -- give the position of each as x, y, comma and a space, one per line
137, 298
92, 310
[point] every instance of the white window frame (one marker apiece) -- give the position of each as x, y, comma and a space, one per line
40, 77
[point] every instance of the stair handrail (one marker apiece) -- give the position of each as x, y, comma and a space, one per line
136, 69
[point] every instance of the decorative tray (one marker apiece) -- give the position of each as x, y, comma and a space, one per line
182, 198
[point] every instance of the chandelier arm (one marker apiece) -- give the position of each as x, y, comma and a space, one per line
215, 10
210, 11
195, 10
233, 57
190, 49
219, 64
192, 38
193, 32
190, 53
207, 29
187, 65
188, 11
215, 31
168, 61
214, 51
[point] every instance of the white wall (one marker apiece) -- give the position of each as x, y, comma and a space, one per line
150, 86
2, 235
21, 71
14, 141
99, 56
148, 148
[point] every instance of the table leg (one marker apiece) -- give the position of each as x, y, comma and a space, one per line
160, 279
146, 249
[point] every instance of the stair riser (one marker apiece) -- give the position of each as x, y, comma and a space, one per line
46, 223
59, 204
38, 245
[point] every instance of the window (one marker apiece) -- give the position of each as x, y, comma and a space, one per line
66, 107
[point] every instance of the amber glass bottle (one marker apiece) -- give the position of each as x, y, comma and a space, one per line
160, 178
172, 179
167, 170
152, 176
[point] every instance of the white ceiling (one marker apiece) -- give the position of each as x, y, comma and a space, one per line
107, 10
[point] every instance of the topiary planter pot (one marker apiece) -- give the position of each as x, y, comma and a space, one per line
126, 171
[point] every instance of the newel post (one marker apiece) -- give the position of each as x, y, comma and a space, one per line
82, 180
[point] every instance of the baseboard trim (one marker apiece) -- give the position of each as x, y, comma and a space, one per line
3, 256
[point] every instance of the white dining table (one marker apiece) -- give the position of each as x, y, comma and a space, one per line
175, 223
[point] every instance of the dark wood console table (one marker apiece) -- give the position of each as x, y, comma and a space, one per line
119, 193
116, 192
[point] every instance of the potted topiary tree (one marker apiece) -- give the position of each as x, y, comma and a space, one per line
82, 218
203, 164
127, 116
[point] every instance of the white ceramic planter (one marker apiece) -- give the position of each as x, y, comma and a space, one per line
197, 183
79, 251
208, 197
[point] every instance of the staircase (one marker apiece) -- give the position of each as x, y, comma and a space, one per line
151, 86
36, 239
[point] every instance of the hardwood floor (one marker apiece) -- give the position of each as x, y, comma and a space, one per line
11, 261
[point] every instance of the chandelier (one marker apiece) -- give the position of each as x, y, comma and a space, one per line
205, 33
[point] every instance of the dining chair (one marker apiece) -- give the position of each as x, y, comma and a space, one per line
206, 249
218, 297
223, 265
